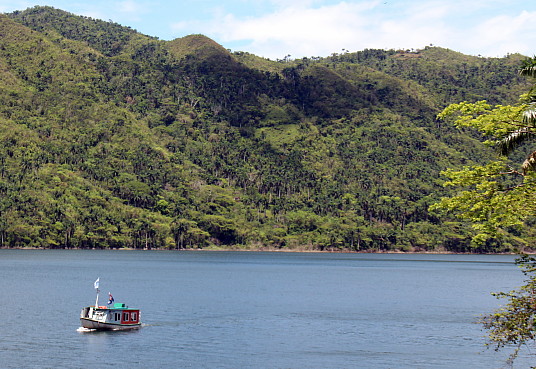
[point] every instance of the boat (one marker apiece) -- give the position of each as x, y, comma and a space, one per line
115, 316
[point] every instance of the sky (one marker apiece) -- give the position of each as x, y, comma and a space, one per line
276, 29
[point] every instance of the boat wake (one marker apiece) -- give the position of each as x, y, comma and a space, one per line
83, 330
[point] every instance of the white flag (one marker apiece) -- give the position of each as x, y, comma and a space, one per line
96, 284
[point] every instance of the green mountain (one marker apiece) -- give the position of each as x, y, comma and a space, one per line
111, 138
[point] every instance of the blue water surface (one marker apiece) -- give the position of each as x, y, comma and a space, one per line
254, 310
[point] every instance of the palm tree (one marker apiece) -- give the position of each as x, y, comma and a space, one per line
515, 138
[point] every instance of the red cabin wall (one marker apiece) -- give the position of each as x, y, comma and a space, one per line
130, 316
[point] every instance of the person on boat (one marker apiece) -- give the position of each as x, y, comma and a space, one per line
110, 299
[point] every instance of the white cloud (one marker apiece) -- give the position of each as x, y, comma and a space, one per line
129, 6
301, 29
508, 33
125, 12
132, 10
419, 25
275, 28
297, 29
281, 4
496, 29
304, 30
429, 12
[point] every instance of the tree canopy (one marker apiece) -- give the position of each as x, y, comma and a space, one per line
498, 196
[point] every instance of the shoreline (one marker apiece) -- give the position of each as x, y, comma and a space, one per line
297, 250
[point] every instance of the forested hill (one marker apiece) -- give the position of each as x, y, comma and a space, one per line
110, 138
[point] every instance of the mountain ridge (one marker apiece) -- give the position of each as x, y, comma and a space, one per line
111, 138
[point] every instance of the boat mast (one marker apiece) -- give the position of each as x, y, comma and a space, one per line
96, 285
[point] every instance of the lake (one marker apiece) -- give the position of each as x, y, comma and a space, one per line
253, 309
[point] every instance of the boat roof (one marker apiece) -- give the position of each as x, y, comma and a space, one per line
116, 306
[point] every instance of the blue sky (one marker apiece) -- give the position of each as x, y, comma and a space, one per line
276, 28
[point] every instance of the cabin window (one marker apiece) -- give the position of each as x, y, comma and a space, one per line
134, 317
125, 316
117, 316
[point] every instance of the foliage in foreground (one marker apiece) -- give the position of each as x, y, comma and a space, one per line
514, 324
499, 197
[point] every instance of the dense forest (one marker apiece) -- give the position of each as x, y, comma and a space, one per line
110, 138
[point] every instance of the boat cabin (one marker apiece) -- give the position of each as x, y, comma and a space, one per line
118, 316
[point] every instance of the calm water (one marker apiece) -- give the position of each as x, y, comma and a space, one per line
253, 310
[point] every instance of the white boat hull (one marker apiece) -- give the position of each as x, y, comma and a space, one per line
93, 324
